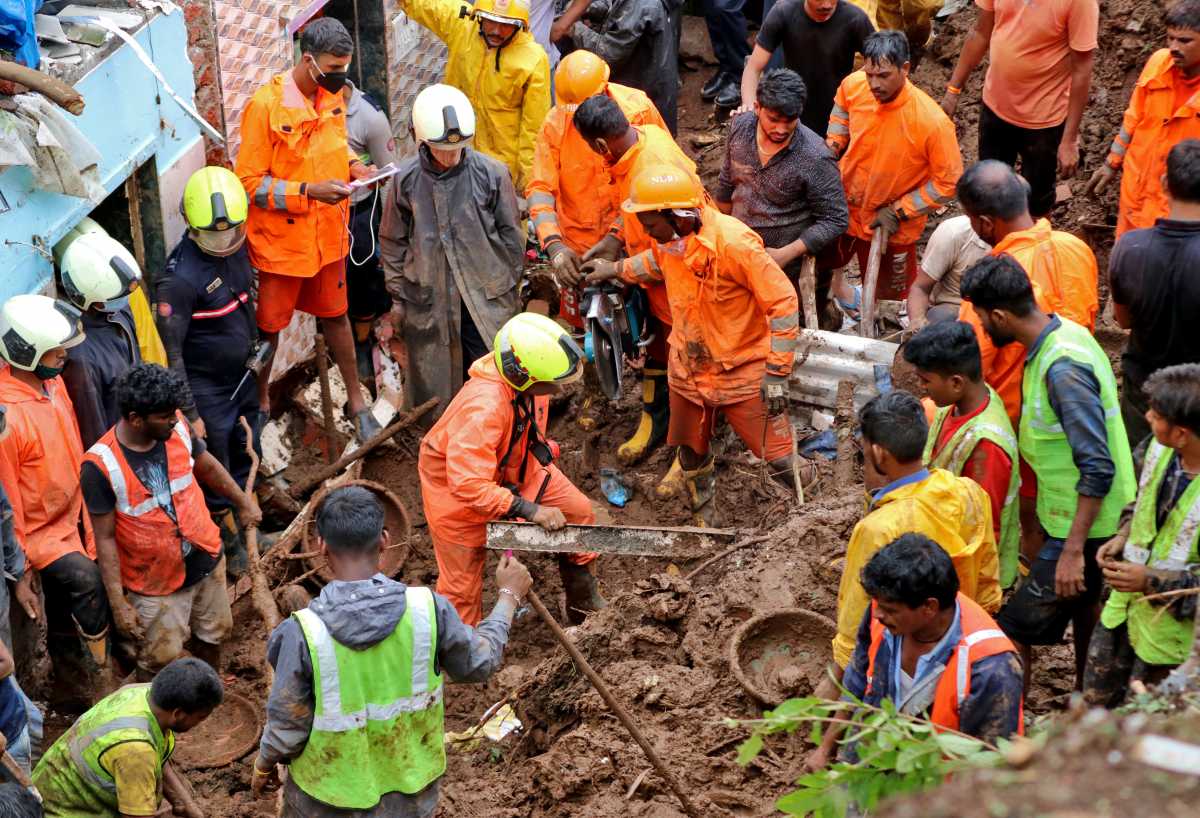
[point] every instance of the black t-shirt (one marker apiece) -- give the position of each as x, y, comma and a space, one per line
821, 53
1155, 273
150, 468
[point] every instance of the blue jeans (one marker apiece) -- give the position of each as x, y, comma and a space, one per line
21, 750
727, 33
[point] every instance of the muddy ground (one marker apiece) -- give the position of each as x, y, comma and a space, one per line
663, 642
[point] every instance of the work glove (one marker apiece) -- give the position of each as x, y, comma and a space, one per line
609, 248
1101, 179
599, 270
888, 219
775, 394
565, 262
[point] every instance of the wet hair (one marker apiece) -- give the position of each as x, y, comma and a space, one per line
896, 421
600, 117
1183, 14
1174, 393
783, 91
909, 570
946, 348
350, 521
326, 36
18, 802
187, 684
993, 188
149, 389
890, 47
999, 283
1183, 171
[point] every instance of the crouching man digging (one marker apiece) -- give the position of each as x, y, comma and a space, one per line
356, 710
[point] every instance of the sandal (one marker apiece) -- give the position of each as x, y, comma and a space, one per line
853, 310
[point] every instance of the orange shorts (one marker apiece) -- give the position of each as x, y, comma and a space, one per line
460, 567
322, 295
692, 425
893, 281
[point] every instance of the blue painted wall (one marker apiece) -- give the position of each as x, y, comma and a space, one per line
129, 121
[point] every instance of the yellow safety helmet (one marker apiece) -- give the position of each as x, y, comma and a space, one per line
580, 74
214, 199
663, 187
513, 12
532, 348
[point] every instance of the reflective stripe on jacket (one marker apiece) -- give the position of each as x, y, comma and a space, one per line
981, 638
990, 424
1151, 127
570, 192
735, 312
1044, 445
902, 153
378, 719
1065, 282
509, 87
1158, 637
72, 775
287, 142
149, 542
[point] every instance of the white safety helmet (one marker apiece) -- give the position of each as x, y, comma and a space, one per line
32, 325
97, 269
442, 116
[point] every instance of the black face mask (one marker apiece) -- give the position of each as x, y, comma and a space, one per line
331, 81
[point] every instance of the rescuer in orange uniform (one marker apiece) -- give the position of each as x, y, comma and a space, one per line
1163, 111
901, 163
295, 164
487, 459
1061, 267
40, 454
736, 324
570, 192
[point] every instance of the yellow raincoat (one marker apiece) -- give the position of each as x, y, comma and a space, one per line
952, 511
509, 87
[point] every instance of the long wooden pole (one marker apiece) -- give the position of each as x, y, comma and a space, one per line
807, 285
618, 709
331, 437
260, 592
866, 326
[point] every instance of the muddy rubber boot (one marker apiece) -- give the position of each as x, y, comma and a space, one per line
579, 584
702, 490
237, 560
672, 482
656, 414
96, 644
589, 407
363, 345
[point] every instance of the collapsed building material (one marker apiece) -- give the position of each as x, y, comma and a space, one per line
680, 542
51, 88
825, 359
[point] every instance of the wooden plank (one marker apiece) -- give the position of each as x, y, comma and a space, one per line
678, 543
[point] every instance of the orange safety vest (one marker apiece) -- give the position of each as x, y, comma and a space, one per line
148, 540
981, 638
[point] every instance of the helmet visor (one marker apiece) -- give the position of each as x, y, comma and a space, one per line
221, 242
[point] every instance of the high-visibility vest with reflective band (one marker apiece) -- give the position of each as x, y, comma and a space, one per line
75, 764
990, 424
148, 540
980, 639
379, 719
1044, 445
1157, 637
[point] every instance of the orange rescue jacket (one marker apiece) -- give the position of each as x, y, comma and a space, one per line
40, 456
287, 143
981, 638
570, 191
1151, 127
655, 146
149, 542
1065, 281
736, 313
463, 485
902, 153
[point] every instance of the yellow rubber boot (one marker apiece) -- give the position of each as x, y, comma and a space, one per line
656, 414
97, 644
702, 490
672, 482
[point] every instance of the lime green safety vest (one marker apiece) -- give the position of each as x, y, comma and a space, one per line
990, 424
379, 719
1157, 637
72, 777
1044, 444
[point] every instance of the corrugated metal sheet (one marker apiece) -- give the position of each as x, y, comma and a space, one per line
416, 59
825, 358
